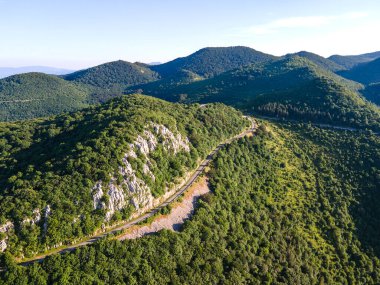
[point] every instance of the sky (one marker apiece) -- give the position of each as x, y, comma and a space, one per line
76, 34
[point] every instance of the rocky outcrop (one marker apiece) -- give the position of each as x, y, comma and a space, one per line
116, 200
148, 172
3, 245
132, 189
4, 229
34, 219
138, 193
97, 195
47, 211
171, 141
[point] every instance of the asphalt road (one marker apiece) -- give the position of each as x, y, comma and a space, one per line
151, 213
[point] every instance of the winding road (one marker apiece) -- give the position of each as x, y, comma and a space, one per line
152, 212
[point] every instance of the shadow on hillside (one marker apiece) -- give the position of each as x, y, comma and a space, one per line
366, 214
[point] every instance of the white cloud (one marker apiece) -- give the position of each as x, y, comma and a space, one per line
298, 22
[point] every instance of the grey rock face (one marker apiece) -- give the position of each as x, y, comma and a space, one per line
138, 192
5, 228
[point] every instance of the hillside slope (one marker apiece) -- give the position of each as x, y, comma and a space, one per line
372, 93
322, 62
349, 61
365, 73
63, 178
114, 75
212, 61
292, 87
33, 95
291, 205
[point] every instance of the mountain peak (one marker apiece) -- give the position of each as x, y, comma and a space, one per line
118, 73
210, 61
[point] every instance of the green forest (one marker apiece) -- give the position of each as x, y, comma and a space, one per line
294, 204
33, 95
209, 62
302, 86
54, 163
293, 87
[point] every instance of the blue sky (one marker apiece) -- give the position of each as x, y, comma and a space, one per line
81, 33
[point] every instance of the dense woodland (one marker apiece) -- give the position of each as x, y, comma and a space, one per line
34, 95
322, 62
302, 86
366, 73
294, 204
350, 61
372, 93
115, 75
209, 62
293, 88
57, 161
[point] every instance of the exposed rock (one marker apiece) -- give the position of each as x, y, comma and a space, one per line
3, 245
37, 215
97, 195
35, 219
138, 192
76, 219
147, 171
116, 200
47, 211
131, 152
171, 141
6, 227
147, 143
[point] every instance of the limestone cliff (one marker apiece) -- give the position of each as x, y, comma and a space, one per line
132, 190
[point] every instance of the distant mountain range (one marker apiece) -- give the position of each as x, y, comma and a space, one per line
366, 73
291, 87
302, 86
120, 74
349, 61
209, 62
8, 71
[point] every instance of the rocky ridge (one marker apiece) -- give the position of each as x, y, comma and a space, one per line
132, 190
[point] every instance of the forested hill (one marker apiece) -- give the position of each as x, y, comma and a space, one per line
322, 62
118, 74
349, 61
33, 95
239, 76
292, 205
372, 93
292, 87
365, 73
62, 178
212, 61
